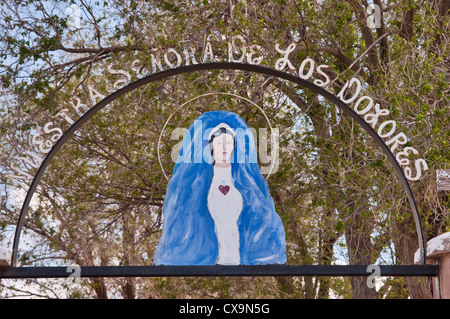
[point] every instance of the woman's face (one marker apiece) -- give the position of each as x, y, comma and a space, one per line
223, 148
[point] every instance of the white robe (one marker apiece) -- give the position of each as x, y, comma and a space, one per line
225, 210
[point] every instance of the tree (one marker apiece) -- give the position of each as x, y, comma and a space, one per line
100, 199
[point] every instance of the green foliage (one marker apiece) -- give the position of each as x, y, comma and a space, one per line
100, 199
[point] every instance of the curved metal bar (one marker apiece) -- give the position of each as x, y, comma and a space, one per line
217, 66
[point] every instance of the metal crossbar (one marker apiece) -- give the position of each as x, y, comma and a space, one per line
220, 271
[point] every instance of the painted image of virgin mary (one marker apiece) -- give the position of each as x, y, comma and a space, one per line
217, 208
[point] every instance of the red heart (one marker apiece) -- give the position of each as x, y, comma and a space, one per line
224, 189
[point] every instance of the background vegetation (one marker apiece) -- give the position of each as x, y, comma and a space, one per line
99, 202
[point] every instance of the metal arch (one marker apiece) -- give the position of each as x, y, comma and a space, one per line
217, 66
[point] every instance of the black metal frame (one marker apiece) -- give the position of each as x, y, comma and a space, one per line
219, 271
315, 270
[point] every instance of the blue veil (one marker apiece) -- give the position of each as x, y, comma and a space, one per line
188, 236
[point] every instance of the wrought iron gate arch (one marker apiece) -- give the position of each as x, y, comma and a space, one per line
219, 270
